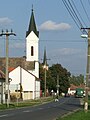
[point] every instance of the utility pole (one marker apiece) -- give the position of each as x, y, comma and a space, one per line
45, 78
7, 96
45, 67
58, 85
87, 70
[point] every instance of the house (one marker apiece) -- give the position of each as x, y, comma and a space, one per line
2, 87
24, 71
72, 89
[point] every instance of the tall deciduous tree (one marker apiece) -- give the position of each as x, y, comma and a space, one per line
63, 74
51, 77
77, 80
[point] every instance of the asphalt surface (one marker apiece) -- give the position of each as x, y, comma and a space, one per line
48, 111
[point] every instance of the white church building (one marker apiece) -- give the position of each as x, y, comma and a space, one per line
24, 71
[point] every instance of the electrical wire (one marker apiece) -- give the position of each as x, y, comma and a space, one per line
89, 2
78, 13
62, 41
70, 12
74, 13
47, 40
85, 10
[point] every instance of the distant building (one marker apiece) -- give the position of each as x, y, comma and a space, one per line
73, 87
24, 71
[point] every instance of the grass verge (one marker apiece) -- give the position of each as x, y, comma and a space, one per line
79, 115
25, 103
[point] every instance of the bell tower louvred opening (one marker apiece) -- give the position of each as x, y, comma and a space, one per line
32, 51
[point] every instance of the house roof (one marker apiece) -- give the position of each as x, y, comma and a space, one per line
2, 76
73, 87
32, 25
15, 62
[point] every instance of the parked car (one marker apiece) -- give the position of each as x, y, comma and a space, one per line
79, 92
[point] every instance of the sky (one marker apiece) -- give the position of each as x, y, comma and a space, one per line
58, 32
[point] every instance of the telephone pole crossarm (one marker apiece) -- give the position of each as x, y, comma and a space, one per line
85, 28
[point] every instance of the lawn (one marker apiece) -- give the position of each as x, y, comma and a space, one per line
78, 115
26, 103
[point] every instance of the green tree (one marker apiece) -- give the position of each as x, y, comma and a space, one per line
41, 75
51, 78
50, 82
77, 80
63, 74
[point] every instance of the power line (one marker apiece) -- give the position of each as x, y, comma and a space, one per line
76, 16
85, 10
70, 12
45, 40
78, 13
63, 41
89, 2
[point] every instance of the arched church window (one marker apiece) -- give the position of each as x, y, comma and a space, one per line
32, 51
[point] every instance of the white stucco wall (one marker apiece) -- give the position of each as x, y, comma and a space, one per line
32, 40
26, 79
15, 76
36, 70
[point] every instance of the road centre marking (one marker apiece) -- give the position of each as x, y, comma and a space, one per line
26, 111
40, 108
3, 115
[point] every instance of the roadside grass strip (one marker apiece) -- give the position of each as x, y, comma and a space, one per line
25, 103
78, 115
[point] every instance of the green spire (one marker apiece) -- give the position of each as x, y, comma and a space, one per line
32, 25
45, 58
45, 65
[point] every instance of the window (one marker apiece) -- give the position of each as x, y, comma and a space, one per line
32, 51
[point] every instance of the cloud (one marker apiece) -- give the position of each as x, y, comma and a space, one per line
50, 25
73, 59
5, 21
17, 45
68, 51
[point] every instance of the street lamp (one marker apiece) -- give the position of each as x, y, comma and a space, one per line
84, 36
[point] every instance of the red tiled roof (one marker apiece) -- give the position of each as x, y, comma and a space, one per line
2, 75
73, 87
11, 69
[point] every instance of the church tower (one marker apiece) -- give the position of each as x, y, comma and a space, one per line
32, 39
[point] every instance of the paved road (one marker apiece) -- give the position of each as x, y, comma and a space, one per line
47, 111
